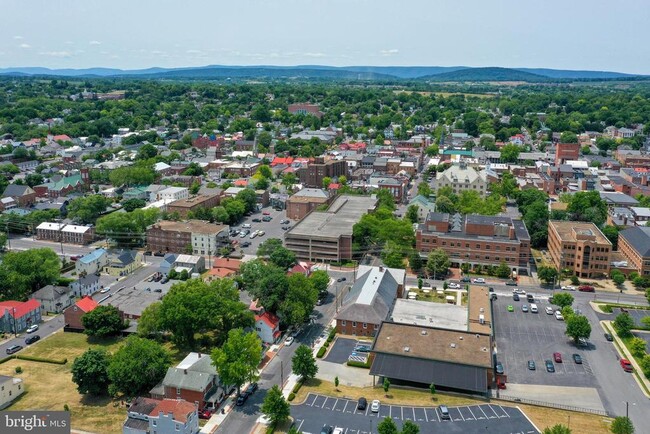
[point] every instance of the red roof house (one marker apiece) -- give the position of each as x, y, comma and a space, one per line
18, 315
267, 327
73, 314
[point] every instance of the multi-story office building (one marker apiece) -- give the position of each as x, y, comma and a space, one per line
634, 244
579, 247
314, 173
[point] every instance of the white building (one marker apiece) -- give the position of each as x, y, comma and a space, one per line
10, 389
461, 177
92, 263
171, 194
86, 285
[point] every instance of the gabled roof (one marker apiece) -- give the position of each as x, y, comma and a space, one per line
86, 304
51, 292
232, 264
92, 256
639, 239
187, 379
181, 409
269, 319
18, 309
14, 190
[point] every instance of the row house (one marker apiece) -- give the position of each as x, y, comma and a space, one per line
69, 234
166, 416
179, 237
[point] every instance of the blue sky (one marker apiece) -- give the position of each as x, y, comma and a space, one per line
130, 34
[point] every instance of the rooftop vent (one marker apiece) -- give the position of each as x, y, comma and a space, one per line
481, 310
460, 338
407, 349
453, 345
423, 332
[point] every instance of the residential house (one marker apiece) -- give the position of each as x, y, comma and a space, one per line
124, 262
10, 389
171, 194
17, 316
86, 285
267, 327
167, 416
223, 267
195, 380
369, 300
193, 263
72, 315
424, 205
167, 263
24, 195
54, 299
92, 263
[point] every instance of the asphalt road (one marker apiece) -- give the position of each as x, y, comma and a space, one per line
26, 243
45, 329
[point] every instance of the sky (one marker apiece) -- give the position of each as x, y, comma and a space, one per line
132, 34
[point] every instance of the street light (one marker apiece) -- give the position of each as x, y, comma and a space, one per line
627, 409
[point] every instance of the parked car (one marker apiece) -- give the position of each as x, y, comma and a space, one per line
241, 399
510, 283
499, 368
341, 279
14, 349
32, 328
531, 365
530, 298
569, 288
245, 244
479, 280
338, 430
453, 285
577, 359
246, 226
253, 235
252, 387
104, 290
524, 308
444, 412
319, 302
266, 213
609, 337
362, 403
285, 222
288, 341
586, 288
257, 220
465, 279
267, 218
515, 296
558, 316
31, 339
327, 429
533, 308
205, 414
375, 406
285, 228
549, 310
549, 366
511, 308
157, 290
557, 357
625, 364
519, 291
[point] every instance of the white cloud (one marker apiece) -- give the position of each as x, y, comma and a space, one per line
18, 37
95, 43
62, 54
314, 54
194, 52
390, 52
25, 46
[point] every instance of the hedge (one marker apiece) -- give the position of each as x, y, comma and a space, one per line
43, 360
330, 337
291, 397
6, 359
297, 387
359, 364
321, 352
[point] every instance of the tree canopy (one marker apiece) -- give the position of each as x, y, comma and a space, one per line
102, 321
237, 359
90, 372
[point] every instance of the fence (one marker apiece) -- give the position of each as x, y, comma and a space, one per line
551, 404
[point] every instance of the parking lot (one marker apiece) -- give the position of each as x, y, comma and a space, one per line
319, 410
523, 336
636, 314
272, 229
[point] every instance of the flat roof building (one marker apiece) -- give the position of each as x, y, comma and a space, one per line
327, 235
579, 247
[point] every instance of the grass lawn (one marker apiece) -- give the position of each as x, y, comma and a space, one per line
542, 417
49, 386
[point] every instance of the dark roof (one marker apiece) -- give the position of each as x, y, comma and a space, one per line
478, 219
371, 297
638, 238
137, 424
438, 217
142, 405
14, 190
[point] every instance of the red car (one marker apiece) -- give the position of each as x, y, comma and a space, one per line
626, 365
266, 213
586, 288
557, 357
205, 414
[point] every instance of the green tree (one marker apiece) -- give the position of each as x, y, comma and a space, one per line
34, 179
127, 372
275, 407
568, 137
320, 280
424, 189
637, 346
149, 321
547, 274
193, 169
432, 389
283, 258
303, 363
90, 372
386, 385
587, 206
133, 204
268, 246
326, 182
645, 365
237, 359
336, 382
557, 429
24, 272
146, 151
412, 213
87, 209
611, 232
623, 323
510, 153
415, 261
132, 175
193, 307
577, 326
432, 150
298, 301
562, 299
622, 425
249, 199
438, 263
410, 427
387, 426
618, 278
503, 270
104, 320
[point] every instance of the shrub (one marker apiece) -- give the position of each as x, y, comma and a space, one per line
606, 308
297, 387
356, 364
66, 407
331, 335
19, 370
42, 360
321, 352
291, 397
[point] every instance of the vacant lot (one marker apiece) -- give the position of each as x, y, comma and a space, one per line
49, 386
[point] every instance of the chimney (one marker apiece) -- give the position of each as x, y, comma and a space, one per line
381, 269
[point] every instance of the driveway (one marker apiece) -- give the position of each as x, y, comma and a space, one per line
341, 350
319, 410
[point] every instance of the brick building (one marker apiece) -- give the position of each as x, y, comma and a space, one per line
304, 201
580, 247
476, 240
304, 109
566, 152
178, 237
313, 174
68, 234
462, 177
634, 244
370, 300
184, 206
73, 314
22, 194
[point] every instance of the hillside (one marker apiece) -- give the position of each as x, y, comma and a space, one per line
487, 74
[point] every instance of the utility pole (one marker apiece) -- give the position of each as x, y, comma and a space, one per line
15, 329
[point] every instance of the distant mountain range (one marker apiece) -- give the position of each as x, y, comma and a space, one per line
375, 73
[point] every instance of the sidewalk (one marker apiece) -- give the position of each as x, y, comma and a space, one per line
218, 418
639, 377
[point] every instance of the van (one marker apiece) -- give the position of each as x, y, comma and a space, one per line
533, 308
444, 412
246, 226
530, 298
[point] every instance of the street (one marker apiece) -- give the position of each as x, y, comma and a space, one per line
46, 328
21, 242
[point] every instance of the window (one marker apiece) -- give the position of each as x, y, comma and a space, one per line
153, 422
343, 323
376, 326
365, 325
354, 323
478, 246
178, 391
178, 427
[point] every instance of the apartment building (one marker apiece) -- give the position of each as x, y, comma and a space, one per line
171, 194
580, 247
327, 235
184, 206
634, 244
304, 201
476, 240
179, 237
314, 173
69, 234
461, 177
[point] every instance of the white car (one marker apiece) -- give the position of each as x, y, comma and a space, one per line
338, 430
549, 310
453, 285
104, 290
32, 329
260, 233
518, 291
558, 316
569, 288
478, 280
288, 341
253, 235
374, 407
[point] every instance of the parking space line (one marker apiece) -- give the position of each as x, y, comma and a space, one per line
470, 412
323, 406
479, 407
413, 408
461, 413
495, 413
346, 406
390, 411
312, 403
425, 415
300, 426
437, 415
402, 412
367, 408
504, 412
334, 406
